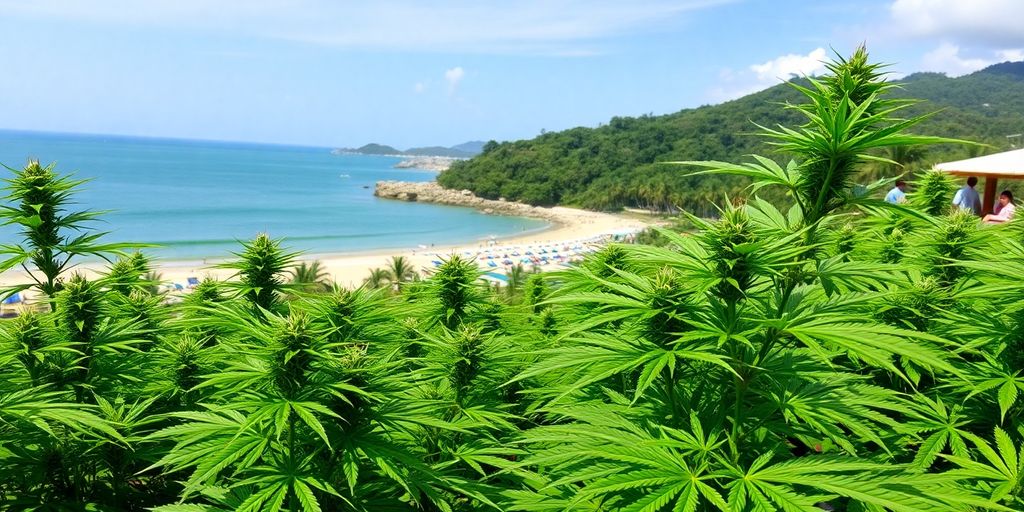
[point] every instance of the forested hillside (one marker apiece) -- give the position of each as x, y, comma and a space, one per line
621, 163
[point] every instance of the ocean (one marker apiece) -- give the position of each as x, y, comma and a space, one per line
197, 199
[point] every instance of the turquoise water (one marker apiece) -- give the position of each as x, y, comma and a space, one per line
198, 198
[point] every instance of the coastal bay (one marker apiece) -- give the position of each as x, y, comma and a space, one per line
197, 199
564, 226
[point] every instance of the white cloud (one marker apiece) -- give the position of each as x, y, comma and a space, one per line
788, 66
947, 59
1012, 55
965, 35
560, 28
990, 23
419, 87
734, 84
454, 76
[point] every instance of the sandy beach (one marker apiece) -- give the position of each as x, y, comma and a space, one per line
569, 226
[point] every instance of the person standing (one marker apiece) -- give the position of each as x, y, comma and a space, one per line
898, 194
967, 198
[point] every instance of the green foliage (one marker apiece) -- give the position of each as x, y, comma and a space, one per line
454, 290
622, 163
536, 292
311, 276
36, 201
933, 192
516, 276
847, 119
838, 354
653, 235
378, 278
400, 271
130, 273
260, 268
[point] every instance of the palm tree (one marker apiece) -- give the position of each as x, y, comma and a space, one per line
311, 276
151, 282
516, 278
379, 278
400, 270
903, 157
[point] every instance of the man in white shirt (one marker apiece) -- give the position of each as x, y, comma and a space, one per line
967, 198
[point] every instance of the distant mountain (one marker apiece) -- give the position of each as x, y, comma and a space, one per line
1015, 69
474, 146
464, 150
371, 149
622, 163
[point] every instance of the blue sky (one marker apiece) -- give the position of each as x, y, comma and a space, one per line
408, 73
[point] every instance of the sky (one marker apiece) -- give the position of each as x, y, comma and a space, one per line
337, 73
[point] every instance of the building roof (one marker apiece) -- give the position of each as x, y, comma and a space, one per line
1008, 164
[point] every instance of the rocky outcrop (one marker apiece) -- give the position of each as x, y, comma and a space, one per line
429, 163
431, 192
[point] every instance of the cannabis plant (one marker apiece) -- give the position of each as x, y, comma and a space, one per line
260, 269
37, 201
749, 367
933, 192
833, 354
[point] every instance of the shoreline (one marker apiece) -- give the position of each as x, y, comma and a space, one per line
565, 226
315, 254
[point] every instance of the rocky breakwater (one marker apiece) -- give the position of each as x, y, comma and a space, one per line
427, 163
431, 192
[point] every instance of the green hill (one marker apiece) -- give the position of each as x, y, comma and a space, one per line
374, 149
620, 163
464, 150
473, 147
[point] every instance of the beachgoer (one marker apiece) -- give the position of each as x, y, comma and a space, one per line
898, 194
1004, 210
967, 198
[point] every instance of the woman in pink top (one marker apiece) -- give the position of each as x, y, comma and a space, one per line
1004, 210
